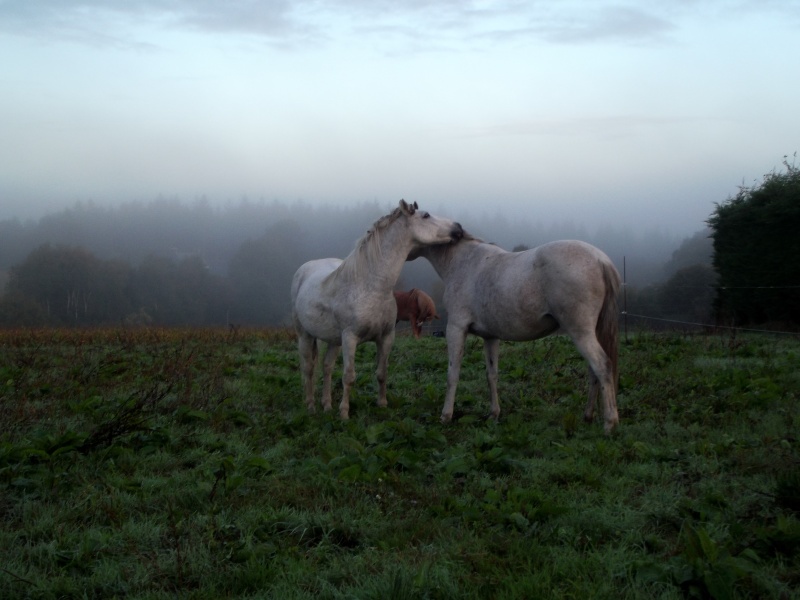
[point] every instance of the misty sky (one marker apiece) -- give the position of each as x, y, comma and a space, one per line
643, 113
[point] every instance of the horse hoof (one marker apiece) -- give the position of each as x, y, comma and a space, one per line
382, 403
446, 418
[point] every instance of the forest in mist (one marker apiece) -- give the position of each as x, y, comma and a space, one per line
242, 257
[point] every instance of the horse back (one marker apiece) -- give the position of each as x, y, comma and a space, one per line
572, 273
312, 274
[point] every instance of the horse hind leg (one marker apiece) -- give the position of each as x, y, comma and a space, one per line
594, 392
602, 380
384, 348
609, 393
328, 363
491, 350
606, 382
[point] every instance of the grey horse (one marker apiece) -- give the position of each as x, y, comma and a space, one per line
348, 302
567, 286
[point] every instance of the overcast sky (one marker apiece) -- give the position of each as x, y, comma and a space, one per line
644, 113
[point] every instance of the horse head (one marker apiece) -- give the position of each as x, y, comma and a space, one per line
427, 229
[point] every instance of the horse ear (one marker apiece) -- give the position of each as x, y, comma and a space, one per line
408, 208
415, 205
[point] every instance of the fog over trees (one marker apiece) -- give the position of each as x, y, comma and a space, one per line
171, 262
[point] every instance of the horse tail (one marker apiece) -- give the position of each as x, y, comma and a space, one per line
607, 329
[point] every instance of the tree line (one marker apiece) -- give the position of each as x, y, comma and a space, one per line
172, 263
70, 286
752, 276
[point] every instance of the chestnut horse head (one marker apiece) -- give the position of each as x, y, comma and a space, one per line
416, 307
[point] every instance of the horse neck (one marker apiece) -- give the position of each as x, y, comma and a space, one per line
379, 261
446, 258
394, 247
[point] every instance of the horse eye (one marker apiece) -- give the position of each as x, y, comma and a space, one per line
425, 215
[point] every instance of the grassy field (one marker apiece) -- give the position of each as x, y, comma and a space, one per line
163, 464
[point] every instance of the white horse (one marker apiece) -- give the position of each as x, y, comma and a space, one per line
567, 286
348, 302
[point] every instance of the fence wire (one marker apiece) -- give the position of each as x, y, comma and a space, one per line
708, 325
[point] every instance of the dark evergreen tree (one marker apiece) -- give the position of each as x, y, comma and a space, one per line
756, 244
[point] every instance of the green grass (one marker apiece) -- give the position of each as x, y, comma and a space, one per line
156, 464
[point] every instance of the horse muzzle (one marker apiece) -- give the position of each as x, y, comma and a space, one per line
457, 232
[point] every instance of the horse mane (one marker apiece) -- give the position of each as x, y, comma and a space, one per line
367, 249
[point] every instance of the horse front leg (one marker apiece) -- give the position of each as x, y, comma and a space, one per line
455, 354
327, 374
384, 348
349, 343
307, 347
415, 328
491, 350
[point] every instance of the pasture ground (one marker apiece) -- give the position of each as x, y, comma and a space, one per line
165, 463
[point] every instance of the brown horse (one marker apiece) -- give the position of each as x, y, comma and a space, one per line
415, 306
